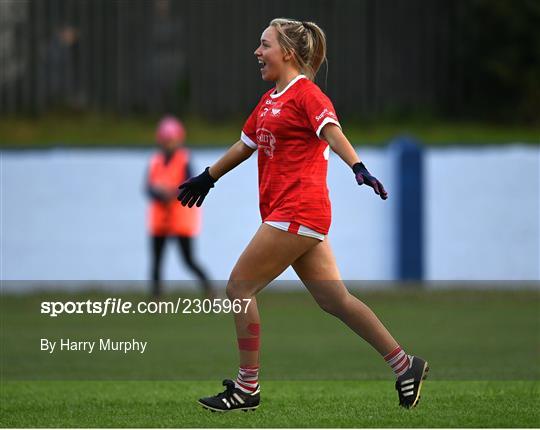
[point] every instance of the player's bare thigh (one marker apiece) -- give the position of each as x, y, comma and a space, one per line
268, 254
317, 268
318, 264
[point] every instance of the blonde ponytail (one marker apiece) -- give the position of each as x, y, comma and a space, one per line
305, 41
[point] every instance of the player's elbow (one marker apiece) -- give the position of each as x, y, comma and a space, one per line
244, 151
332, 134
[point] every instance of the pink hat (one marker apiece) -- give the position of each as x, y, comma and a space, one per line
170, 128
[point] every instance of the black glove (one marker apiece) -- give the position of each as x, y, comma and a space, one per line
364, 177
195, 189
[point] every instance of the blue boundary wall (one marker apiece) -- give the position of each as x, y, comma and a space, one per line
460, 236
408, 160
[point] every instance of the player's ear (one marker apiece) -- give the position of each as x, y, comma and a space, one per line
287, 56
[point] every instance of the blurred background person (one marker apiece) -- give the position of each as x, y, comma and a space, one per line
165, 66
167, 219
62, 70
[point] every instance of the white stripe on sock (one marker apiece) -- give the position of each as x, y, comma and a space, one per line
397, 358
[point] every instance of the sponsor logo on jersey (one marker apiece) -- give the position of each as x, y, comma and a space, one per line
324, 113
276, 109
266, 141
263, 113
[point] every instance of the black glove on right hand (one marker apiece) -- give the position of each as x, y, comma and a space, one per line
195, 189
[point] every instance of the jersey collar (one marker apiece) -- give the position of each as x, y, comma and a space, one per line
289, 85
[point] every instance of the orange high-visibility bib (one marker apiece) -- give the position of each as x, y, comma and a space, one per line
171, 218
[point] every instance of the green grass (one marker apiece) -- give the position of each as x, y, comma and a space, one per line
85, 129
284, 404
483, 348
95, 130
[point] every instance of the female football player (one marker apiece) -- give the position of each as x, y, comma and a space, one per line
293, 127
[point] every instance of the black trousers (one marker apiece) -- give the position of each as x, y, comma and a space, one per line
185, 245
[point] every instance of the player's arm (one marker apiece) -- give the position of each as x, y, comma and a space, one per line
342, 147
340, 144
194, 190
237, 154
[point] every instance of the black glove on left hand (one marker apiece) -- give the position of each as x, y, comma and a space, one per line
364, 177
195, 189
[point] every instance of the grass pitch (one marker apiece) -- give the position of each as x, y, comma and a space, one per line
102, 130
284, 404
483, 349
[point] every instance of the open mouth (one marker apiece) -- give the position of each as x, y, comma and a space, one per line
262, 64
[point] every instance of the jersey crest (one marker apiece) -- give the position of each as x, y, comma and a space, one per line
276, 108
266, 141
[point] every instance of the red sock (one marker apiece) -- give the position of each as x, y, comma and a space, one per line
398, 361
247, 379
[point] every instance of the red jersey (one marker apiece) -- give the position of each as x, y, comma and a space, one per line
293, 158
